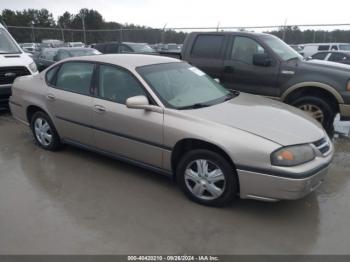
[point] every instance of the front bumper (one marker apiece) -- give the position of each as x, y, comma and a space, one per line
344, 112
266, 187
5, 93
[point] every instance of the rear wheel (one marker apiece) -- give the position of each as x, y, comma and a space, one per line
319, 109
207, 178
44, 131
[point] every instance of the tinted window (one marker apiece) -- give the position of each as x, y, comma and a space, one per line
323, 48
334, 47
75, 77
320, 56
336, 57
124, 49
112, 49
50, 75
62, 55
48, 54
207, 46
117, 84
244, 49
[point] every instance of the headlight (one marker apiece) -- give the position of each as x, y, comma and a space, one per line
292, 155
33, 67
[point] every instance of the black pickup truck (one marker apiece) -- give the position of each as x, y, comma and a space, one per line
263, 64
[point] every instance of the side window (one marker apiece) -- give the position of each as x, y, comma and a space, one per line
50, 76
117, 84
336, 57
124, 49
112, 49
207, 46
323, 48
75, 77
244, 48
320, 56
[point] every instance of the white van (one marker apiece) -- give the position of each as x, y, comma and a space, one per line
311, 49
14, 62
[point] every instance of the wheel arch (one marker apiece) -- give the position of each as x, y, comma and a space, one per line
187, 144
31, 110
313, 88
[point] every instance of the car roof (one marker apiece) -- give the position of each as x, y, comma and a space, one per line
130, 61
244, 33
308, 44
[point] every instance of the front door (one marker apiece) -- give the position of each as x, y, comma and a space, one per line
241, 74
134, 134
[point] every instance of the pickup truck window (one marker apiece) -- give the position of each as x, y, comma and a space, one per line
284, 51
207, 46
244, 48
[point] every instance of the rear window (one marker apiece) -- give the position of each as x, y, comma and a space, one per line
207, 46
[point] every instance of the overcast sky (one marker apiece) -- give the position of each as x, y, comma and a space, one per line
199, 13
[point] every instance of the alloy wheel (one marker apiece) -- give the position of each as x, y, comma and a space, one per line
313, 111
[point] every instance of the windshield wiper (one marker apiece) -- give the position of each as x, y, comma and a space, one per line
232, 94
194, 106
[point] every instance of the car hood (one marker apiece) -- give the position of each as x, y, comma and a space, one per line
21, 59
327, 64
264, 117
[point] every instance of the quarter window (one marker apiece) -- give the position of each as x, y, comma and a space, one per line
50, 76
75, 77
207, 46
117, 85
244, 49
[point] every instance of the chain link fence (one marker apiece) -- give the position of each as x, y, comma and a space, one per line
292, 34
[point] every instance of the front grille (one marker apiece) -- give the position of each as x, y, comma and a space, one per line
323, 145
9, 74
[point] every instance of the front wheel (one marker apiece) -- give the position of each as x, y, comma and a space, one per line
207, 178
319, 109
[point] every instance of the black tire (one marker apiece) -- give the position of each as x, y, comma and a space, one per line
231, 182
55, 143
327, 109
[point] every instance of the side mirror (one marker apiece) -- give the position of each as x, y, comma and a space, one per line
141, 102
262, 60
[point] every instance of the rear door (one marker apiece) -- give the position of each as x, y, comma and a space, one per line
69, 101
207, 53
135, 134
241, 74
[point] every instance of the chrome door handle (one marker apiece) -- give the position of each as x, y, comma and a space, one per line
51, 97
99, 109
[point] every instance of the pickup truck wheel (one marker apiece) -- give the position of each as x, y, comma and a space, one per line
44, 131
319, 109
207, 178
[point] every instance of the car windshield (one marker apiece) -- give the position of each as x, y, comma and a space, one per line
284, 51
84, 52
7, 45
344, 47
141, 48
181, 86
